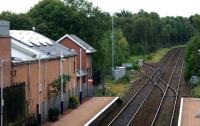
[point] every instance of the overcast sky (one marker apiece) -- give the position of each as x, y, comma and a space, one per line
162, 7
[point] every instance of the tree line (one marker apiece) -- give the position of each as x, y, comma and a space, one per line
134, 34
192, 51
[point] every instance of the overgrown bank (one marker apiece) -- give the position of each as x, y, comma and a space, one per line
192, 64
120, 87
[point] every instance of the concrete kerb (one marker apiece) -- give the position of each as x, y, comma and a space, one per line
100, 115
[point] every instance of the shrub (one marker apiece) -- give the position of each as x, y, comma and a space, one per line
149, 57
125, 79
196, 92
56, 83
73, 102
53, 114
135, 67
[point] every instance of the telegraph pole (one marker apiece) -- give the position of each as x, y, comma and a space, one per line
113, 45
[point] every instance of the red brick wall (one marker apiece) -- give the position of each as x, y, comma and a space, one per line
52, 73
5, 54
70, 44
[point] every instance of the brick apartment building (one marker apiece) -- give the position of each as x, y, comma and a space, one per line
84, 53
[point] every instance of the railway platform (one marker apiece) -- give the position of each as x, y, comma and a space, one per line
189, 109
90, 112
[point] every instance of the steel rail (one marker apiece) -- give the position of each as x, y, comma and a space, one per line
169, 85
177, 93
158, 68
150, 66
112, 121
156, 84
161, 103
145, 99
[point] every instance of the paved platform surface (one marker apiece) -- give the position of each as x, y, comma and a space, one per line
188, 110
85, 113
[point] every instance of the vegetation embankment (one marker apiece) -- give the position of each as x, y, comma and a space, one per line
192, 64
118, 88
155, 56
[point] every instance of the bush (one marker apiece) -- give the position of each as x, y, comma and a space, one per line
109, 92
125, 79
148, 57
196, 92
73, 102
53, 114
135, 67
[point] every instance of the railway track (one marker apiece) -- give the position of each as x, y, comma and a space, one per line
145, 114
165, 112
130, 110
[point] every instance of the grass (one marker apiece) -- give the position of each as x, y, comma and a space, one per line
196, 92
158, 55
117, 88
112, 88
155, 56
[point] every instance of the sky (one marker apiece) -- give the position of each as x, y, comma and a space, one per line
162, 7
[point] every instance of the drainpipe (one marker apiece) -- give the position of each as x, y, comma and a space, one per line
2, 101
39, 90
80, 98
61, 75
74, 87
68, 74
45, 87
28, 90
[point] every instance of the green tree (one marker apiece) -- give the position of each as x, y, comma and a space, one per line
192, 58
51, 18
17, 21
195, 21
121, 48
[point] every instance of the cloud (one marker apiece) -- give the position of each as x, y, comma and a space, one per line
17, 6
162, 7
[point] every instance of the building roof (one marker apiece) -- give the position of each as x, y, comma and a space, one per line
29, 45
80, 42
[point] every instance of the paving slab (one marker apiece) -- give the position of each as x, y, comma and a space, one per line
85, 113
188, 111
